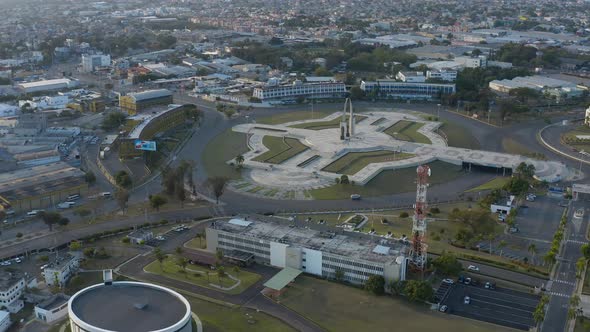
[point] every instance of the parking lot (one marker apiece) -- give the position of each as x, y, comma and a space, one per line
498, 306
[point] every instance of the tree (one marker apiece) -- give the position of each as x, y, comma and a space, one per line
50, 218
217, 185
221, 274
219, 255
339, 274
63, 221
178, 250
122, 197
397, 287
532, 249
418, 291
113, 120
526, 170
447, 264
75, 246
501, 246
156, 201
236, 270
375, 284
239, 160
123, 179
344, 179
181, 194
356, 93
182, 263
580, 266
159, 256
89, 177
585, 248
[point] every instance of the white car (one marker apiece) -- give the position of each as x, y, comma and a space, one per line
472, 268
579, 213
467, 300
448, 281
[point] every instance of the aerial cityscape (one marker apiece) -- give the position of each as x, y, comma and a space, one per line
274, 165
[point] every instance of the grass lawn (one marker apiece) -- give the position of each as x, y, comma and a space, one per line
586, 287
280, 149
582, 325
353, 162
390, 182
511, 146
458, 136
407, 131
197, 275
337, 307
218, 318
295, 116
495, 183
571, 139
224, 147
327, 124
194, 244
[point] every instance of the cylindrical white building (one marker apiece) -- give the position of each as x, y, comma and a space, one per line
129, 307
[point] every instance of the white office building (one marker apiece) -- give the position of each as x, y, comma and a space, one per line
91, 62
472, 61
52, 309
61, 270
446, 75
310, 251
4, 320
411, 76
391, 89
300, 89
12, 285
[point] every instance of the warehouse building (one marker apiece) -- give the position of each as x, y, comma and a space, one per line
391, 89
552, 86
40, 187
130, 307
138, 101
52, 309
322, 254
47, 85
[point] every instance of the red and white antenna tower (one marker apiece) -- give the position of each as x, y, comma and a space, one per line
419, 248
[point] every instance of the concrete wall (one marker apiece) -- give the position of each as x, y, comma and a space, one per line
293, 258
211, 237
313, 261
278, 253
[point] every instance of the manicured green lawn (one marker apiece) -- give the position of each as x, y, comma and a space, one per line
495, 183
582, 325
226, 146
295, 116
353, 162
459, 136
326, 124
336, 307
407, 131
391, 182
198, 275
571, 139
219, 318
196, 244
280, 149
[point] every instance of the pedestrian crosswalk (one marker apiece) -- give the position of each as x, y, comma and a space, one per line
571, 283
558, 294
577, 241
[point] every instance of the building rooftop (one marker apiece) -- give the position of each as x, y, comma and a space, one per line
53, 302
129, 307
351, 244
8, 279
139, 233
44, 83
150, 94
146, 118
60, 262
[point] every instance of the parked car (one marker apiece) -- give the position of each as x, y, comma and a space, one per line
490, 285
355, 197
579, 213
467, 281
448, 281
473, 268
443, 308
466, 300
160, 238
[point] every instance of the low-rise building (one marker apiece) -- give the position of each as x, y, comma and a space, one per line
47, 85
391, 89
299, 89
140, 236
446, 75
503, 206
411, 76
30, 124
60, 270
12, 286
138, 101
52, 309
324, 254
91, 62
4, 321
547, 85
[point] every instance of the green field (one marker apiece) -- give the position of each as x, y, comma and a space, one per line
225, 146
219, 318
496, 183
582, 324
407, 131
570, 138
336, 307
390, 182
198, 275
280, 149
295, 116
320, 125
353, 162
196, 244
458, 136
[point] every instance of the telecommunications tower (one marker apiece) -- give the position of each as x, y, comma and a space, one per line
419, 248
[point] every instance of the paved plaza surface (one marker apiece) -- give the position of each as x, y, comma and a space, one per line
306, 170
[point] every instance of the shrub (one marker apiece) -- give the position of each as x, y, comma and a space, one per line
404, 215
125, 240
19, 235
434, 210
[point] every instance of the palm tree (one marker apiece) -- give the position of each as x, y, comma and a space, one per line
200, 237
159, 256
220, 274
236, 270
533, 251
501, 246
239, 160
219, 255
491, 238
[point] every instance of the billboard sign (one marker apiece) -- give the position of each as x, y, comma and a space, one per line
145, 145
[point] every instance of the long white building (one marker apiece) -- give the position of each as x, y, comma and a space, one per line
47, 85
12, 285
300, 89
391, 89
310, 251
